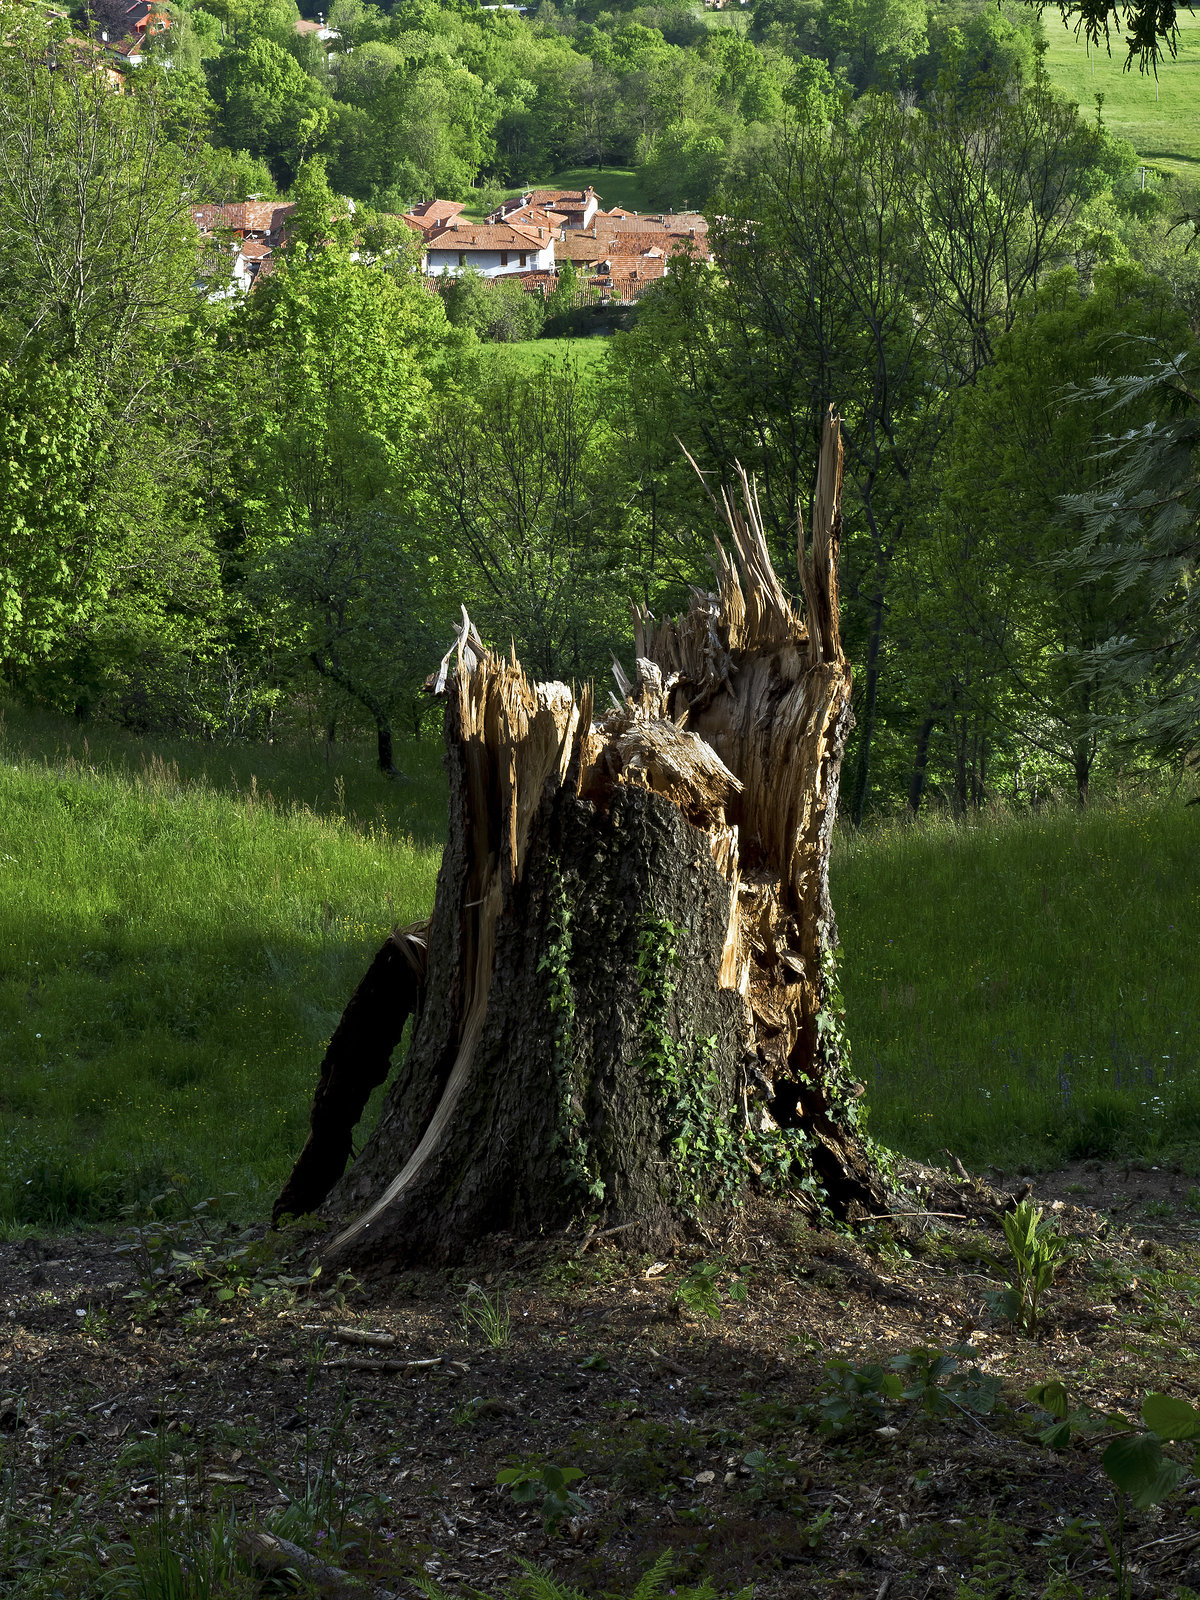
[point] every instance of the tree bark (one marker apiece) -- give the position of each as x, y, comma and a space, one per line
916, 782
630, 1004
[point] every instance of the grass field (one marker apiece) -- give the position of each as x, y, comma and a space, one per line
588, 353
1025, 990
1161, 120
177, 939
180, 927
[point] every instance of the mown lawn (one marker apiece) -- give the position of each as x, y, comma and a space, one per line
1161, 119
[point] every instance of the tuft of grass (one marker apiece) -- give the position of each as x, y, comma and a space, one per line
1160, 117
486, 1318
175, 950
1022, 989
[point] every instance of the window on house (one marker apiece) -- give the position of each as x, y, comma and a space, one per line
462, 258
522, 260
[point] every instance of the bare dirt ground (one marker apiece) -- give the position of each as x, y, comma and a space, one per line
225, 1380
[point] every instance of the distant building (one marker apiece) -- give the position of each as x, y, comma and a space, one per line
577, 206
251, 229
432, 215
492, 249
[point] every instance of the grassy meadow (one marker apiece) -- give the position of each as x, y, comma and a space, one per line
1024, 990
177, 939
1161, 119
181, 925
588, 353
616, 186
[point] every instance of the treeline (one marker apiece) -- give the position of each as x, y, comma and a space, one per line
218, 512
421, 98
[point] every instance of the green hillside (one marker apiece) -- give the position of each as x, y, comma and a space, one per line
1160, 119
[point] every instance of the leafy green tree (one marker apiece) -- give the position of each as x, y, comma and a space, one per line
520, 497
330, 487
268, 105
875, 42
97, 245
99, 323
1138, 537
495, 308
1019, 627
54, 561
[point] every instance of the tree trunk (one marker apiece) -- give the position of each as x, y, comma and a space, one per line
866, 739
329, 668
916, 783
630, 1005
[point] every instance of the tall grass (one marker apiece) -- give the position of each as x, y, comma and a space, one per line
174, 953
1025, 989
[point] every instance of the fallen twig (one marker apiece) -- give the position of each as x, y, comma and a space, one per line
381, 1341
271, 1555
671, 1366
605, 1233
365, 1364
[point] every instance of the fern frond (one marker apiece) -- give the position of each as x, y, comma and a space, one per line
653, 1582
537, 1584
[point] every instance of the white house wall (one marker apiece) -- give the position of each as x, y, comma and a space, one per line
487, 262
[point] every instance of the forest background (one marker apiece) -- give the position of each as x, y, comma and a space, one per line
231, 516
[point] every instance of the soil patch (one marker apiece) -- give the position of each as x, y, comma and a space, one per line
718, 1402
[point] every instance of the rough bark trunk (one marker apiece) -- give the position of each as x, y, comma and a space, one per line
630, 1005
916, 783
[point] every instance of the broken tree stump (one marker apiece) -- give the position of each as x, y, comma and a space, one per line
629, 1004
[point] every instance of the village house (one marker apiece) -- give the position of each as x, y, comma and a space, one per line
432, 215
252, 231
577, 206
142, 21
492, 249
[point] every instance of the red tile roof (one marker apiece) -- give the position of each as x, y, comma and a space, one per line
532, 217
627, 243
431, 215
632, 267
681, 222
488, 236
265, 217
576, 199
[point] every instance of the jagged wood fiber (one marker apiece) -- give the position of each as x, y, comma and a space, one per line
627, 990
